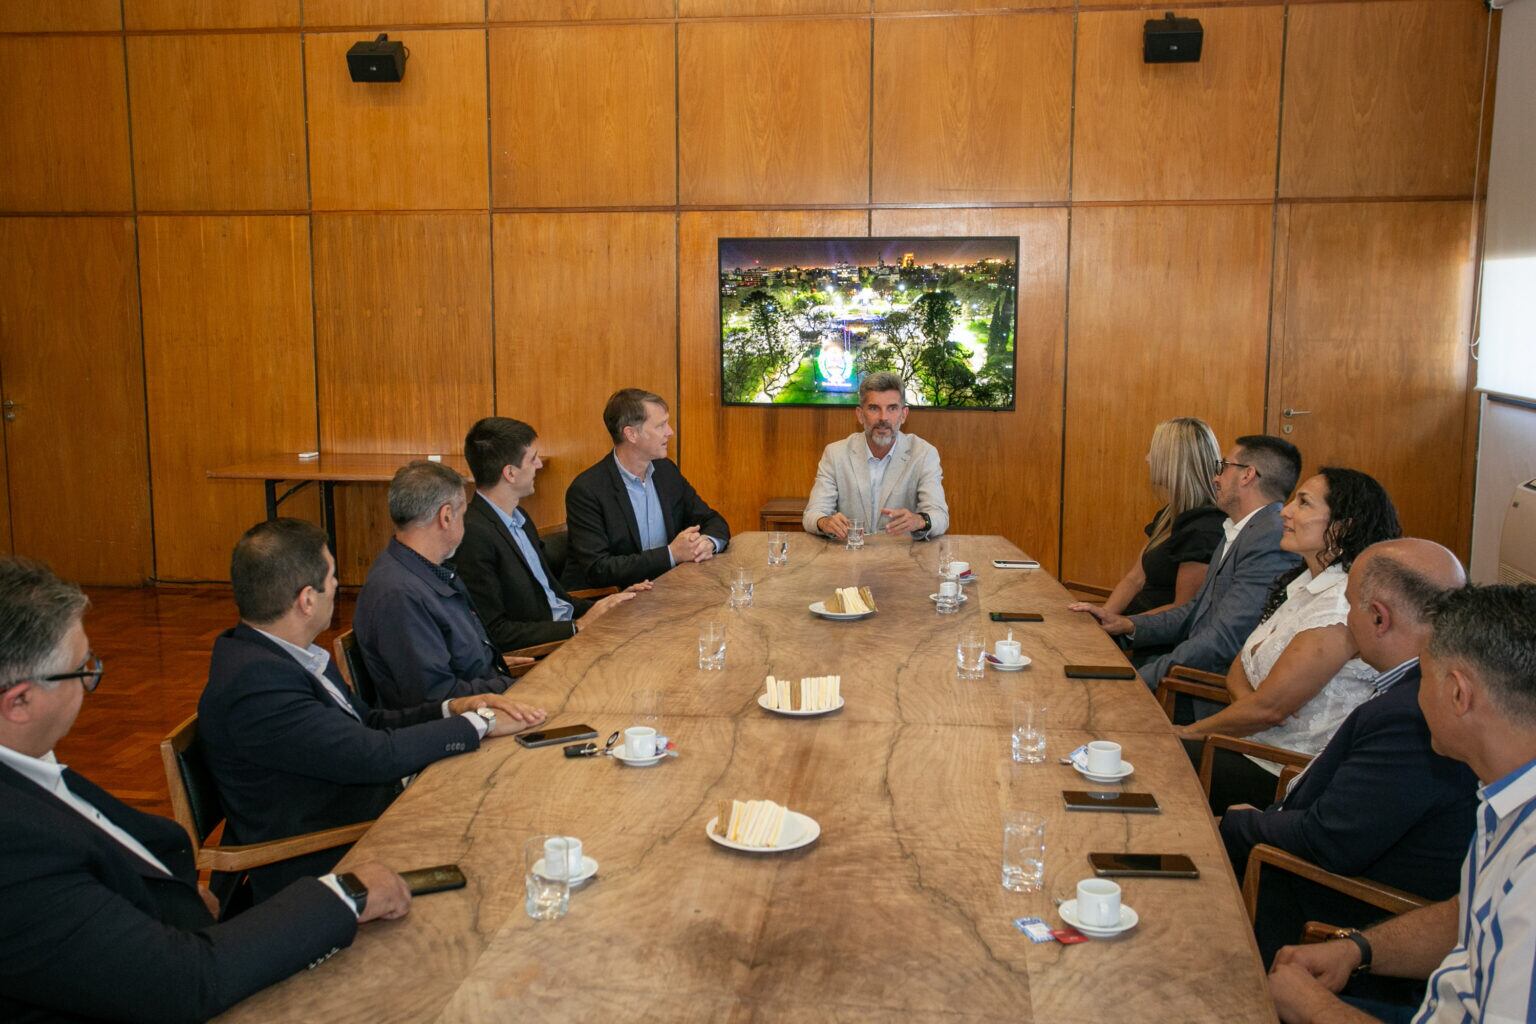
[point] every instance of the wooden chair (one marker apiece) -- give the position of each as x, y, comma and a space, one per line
782, 514
1287, 759
197, 808
1211, 686
349, 662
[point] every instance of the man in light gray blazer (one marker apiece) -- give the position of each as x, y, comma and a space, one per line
1251, 484
890, 480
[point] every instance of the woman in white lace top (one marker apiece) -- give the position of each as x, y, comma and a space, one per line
1297, 675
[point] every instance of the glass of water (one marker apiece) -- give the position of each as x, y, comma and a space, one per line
712, 646
1028, 732
970, 656
741, 589
855, 534
778, 548
1023, 851
548, 896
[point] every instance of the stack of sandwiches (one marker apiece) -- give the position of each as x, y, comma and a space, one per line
751, 822
851, 601
814, 693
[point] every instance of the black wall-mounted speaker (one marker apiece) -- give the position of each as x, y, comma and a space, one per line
378, 61
1172, 40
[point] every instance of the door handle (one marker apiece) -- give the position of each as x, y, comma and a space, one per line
10, 408
1295, 412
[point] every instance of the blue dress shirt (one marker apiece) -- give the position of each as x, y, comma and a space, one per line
560, 609
647, 505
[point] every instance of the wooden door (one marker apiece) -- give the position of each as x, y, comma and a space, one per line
73, 374
1372, 317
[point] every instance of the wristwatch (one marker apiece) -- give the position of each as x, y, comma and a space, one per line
489, 717
354, 890
1361, 943
927, 522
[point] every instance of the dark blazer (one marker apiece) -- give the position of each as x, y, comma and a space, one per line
288, 760
604, 536
420, 636
509, 599
1378, 802
91, 932
1207, 631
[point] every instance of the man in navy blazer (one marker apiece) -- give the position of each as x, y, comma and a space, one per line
1206, 631
291, 747
621, 512
1378, 801
102, 915
501, 558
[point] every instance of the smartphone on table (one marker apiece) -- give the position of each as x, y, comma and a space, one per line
1108, 800
1143, 865
549, 737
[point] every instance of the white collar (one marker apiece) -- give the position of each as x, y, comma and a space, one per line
46, 771
1233, 529
1511, 792
315, 658
1333, 576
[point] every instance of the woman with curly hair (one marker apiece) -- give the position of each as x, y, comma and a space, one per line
1297, 675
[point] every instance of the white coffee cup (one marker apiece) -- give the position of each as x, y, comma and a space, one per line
640, 741
1103, 757
958, 568
1009, 652
1098, 903
949, 588
562, 857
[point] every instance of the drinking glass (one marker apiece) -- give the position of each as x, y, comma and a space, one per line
778, 548
970, 656
946, 555
855, 534
712, 646
741, 589
1023, 851
947, 601
548, 890
646, 705
1028, 732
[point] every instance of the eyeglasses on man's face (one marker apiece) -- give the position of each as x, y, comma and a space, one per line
89, 673
1221, 467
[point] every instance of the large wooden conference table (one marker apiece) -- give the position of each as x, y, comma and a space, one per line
895, 912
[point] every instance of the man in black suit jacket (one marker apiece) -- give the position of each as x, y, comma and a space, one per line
621, 512
1378, 801
292, 748
501, 558
103, 917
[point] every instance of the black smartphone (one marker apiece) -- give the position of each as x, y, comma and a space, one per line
1107, 800
1143, 865
1099, 672
423, 881
1015, 563
549, 737
1017, 617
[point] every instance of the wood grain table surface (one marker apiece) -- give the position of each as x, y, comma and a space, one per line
896, 911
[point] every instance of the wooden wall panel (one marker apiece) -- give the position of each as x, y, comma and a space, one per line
63, 124
1382, 99
584, 115
1002, 470
61, 16
1379, 360
384, 13
218, 122
890, 6
200, 14
70, 348
1169, 318
774, 111
745, 8
558, 360
1177, 131
403, 347
419, 144
998, 134
230, 371
5, 492
578, 10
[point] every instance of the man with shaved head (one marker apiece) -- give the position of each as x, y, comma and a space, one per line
1378, 801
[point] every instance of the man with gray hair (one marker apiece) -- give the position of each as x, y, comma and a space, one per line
103, 915
415, 623
884, 478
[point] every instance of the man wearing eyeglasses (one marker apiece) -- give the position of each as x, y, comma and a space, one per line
102, 914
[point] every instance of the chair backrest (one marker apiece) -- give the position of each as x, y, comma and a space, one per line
557, 548
195, 798
354, 669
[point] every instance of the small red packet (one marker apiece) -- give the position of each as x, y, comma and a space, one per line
1066, 935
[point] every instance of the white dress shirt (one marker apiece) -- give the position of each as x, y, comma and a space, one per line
877, 468
1230, 530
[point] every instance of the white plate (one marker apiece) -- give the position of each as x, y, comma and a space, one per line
818, 608
588, 869
799, 830
1125, 769
935, 598
967, 579
762, 702
1003, 666
638, 762
1128, 920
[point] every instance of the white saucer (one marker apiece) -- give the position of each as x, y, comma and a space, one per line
967, 579
762, 702
1003, 666
799, 830
1128, 920
935, 598
819, 608
1125, 769
637, 762
588, 869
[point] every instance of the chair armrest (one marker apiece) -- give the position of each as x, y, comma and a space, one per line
1173, 685
1263, 751
593, 593
535, 651
1384, 897
1317, 931
1185, 674
255, 855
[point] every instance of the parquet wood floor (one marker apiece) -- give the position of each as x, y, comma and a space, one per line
155, 643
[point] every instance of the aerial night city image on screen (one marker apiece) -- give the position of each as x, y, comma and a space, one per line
802, 320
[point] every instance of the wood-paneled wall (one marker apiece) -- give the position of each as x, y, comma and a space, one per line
238, 250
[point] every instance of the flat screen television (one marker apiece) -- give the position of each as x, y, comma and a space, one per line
803, 320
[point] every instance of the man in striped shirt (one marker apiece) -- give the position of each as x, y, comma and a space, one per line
1478, 950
